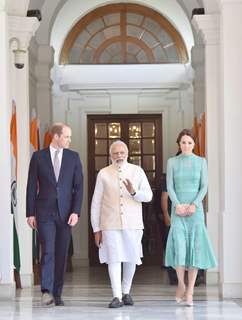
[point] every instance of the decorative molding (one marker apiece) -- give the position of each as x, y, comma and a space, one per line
23, 28
208, 26
121, 86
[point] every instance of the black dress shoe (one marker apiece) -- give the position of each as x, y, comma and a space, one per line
115, 303
59, 301
127, 300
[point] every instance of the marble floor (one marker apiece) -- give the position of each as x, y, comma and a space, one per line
87, 293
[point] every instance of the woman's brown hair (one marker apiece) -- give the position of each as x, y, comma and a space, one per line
185, 132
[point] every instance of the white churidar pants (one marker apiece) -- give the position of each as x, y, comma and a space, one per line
114, 270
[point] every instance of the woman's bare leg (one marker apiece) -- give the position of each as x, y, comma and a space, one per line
180, 291
192, 275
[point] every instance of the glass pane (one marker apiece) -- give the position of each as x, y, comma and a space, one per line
135, 146
135, 32
100, 162
142, 57
95, 25
151, 177
135, 160
74, 56
110, 142
97, 40
105, 57
149, 162
112, 32
100, 146
134, 130
160, 55
82, 39
114, 130
151, 25
100, 130
134, 18
149, 40
132, 48
148, 146
113, 18
148, 129
117, 58
87, 55
131, 59
114, 48
171, 52
163, 36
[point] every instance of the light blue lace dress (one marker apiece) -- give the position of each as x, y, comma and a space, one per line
188, 244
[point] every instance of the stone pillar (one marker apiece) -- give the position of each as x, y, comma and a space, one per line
44, 84
231, 154
7, 286
208, 28
198, 64
23, 29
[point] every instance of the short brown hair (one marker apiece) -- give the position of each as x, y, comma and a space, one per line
185, 132
57, 128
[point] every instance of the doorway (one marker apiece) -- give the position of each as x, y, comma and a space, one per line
143, 135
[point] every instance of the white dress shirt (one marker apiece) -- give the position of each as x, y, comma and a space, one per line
52, 154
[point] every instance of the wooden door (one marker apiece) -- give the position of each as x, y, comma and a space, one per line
143, 135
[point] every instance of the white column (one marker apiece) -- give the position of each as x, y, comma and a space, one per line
231, 154
198, 64
7, 285
208, 26
23, 28
44, 84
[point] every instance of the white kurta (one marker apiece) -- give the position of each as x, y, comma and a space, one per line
120, 245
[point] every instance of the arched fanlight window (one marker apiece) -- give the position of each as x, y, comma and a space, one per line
123, 34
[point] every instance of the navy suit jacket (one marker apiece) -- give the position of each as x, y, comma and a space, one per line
44, 195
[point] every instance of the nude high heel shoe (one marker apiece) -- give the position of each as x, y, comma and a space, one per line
189, 299
180, 292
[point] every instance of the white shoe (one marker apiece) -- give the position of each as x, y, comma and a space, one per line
46, 299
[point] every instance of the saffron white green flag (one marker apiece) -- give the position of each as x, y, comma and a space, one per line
34, 146
13, 136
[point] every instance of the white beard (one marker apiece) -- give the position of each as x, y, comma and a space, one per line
119, 162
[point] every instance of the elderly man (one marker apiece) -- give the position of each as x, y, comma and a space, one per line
116, 217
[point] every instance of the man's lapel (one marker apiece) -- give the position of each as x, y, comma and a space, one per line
50, 166
64, 166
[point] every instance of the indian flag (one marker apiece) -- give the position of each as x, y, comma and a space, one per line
47, 138
34, 146
13, 136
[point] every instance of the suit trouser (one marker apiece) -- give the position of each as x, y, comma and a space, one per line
54, 238
118, 287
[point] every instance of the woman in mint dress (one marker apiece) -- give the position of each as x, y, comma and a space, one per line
188, 245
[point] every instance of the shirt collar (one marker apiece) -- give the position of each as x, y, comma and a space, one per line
53, 150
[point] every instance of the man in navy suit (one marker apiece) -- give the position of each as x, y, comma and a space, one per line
54, 199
